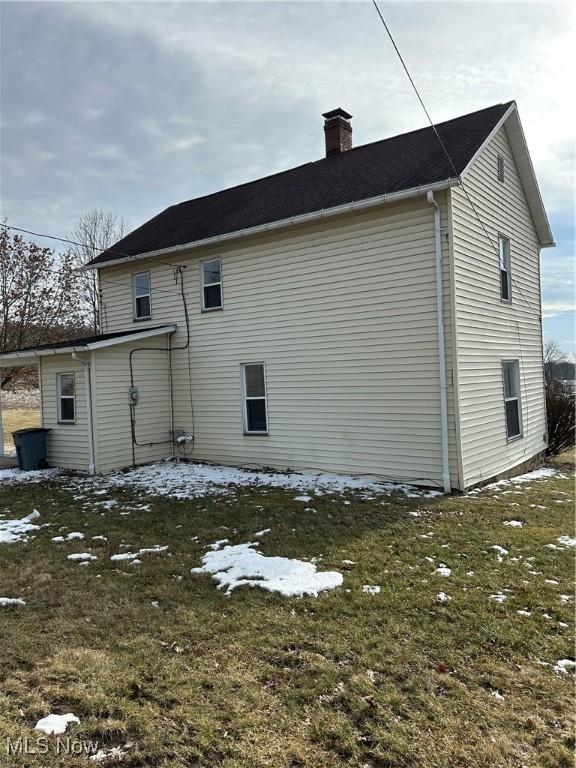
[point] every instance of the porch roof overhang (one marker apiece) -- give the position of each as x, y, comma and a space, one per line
30, 355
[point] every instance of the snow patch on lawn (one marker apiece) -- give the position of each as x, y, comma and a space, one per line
239, 564
14, 476
82, 557
442, 597
544, 473
6, 601
55, 724
70, 537
499, 549
566, 541
133, 556
185, 481
113, 756
371, 589
443, 570
16, 530
513, 523
563, 665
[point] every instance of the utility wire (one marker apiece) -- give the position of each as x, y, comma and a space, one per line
101, 280
458, 176
433, 126
82, 245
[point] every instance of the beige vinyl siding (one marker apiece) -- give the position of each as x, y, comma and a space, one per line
111, 371
68, 444
343, 314
488, 330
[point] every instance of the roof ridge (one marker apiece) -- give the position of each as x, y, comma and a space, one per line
348, 152
405, 160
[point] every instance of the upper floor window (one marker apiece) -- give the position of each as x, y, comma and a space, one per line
66, 398
500, 168
512, 403
211, 284
255, 404
505, 276
141, 295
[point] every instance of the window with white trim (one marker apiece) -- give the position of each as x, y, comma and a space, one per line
211, 272
255, 404
505, 276
66, 398
512, 401
141, 295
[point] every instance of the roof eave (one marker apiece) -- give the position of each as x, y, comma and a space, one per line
27, 357
282, 223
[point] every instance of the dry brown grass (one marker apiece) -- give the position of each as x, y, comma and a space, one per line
255, 680
13, 419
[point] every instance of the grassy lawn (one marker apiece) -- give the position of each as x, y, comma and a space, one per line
17, 418
155, 657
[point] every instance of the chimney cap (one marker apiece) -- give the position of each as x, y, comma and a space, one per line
339, 112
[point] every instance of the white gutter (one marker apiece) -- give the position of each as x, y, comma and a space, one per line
87, 379
441, 342
1, 423
10, 358
301, 219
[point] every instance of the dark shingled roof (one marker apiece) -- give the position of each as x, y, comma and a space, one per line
401, 162
83, 341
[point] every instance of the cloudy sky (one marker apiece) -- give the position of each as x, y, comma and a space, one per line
130, 107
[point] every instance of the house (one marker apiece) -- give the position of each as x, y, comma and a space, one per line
376, 311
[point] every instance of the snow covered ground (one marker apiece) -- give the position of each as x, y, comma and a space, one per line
185, 481
240, 564
13, 476
55, 724
544, 473
178, 480
17, 530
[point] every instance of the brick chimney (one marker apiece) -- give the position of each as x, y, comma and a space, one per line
337, 131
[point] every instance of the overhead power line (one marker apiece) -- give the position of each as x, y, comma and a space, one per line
82, 245
445, 150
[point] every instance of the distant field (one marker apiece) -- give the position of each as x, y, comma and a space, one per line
17, 418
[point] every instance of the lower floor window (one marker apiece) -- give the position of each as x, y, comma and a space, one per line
512, 401
255, 405
66, 397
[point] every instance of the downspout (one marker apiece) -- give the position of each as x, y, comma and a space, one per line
441, 342
1, 418
87, 378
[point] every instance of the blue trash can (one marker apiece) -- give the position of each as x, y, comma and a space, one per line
31, 447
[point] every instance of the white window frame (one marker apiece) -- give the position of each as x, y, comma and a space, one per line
209, 285
505, 265
61, 397
245, 399
135, 315
516, 398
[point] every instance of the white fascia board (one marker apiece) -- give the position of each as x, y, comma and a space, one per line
27, 358
511, 120
283, 223
132, 337
512, 108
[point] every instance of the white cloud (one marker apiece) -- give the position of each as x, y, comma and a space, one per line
153, 103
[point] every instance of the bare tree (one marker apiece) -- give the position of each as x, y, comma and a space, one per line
552, 355
38, 296
95, 231
560, 401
